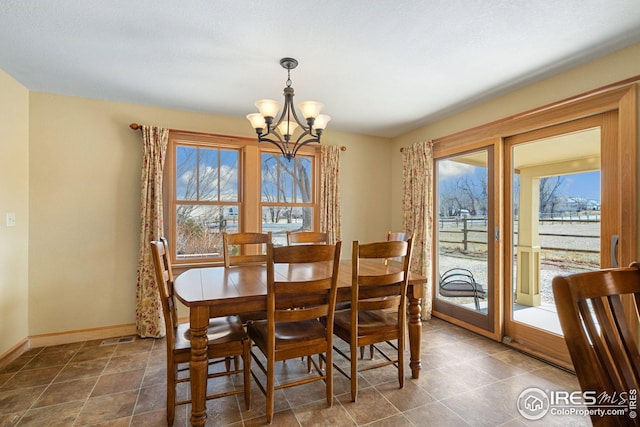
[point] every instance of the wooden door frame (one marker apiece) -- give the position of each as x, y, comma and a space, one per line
452, 312
619, 98
544, 343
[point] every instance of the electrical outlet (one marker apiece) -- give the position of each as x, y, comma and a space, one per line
11, 219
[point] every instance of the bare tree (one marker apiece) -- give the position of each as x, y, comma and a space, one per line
473, 194
300, 175
201, 178
549, 188
467, 192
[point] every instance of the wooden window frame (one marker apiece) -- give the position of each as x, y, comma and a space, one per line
249, 184
315, 184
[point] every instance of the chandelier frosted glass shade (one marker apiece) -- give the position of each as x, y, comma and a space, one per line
288, 132
268, 107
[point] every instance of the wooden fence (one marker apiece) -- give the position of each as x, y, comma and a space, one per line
470, 227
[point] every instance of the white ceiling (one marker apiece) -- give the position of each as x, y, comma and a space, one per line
381, 67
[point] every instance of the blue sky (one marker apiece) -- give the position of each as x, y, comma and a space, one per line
583, 184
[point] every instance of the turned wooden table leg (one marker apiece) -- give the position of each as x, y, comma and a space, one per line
415, 334
199, 322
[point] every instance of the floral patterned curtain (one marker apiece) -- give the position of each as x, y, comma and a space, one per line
417, 215
149, 319
330, 191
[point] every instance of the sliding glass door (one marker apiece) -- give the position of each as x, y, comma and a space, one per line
560, 223
518, 201
464, 236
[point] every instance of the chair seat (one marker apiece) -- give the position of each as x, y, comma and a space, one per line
221, 330
287, 334
369, 322
462, 289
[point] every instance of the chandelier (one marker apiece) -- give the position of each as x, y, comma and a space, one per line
282, 132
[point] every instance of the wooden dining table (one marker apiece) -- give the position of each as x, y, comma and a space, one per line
219, 291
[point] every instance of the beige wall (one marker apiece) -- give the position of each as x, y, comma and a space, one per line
14, 197
610, 69
85, 171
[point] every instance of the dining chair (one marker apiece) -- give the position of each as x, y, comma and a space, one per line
598, 311
307, 237
226, 339
378, 308
392, 236
301, 290
244, 248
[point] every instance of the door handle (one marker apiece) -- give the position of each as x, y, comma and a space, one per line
614, 245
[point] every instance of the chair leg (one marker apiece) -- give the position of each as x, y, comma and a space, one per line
370, 352
270, 389
329, 374
401, 361
246, 373
354, 372
171, 393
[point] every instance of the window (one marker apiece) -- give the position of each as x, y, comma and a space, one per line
206, 199
215, 184
287, 195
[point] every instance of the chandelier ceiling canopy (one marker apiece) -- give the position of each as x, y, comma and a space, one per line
288, 132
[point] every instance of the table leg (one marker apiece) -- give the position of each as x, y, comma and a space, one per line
199, 322
415, 334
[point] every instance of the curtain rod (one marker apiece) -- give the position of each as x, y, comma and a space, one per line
136, 126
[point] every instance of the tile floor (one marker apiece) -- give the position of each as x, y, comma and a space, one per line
466, 380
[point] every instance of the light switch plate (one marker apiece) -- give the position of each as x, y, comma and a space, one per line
11, 219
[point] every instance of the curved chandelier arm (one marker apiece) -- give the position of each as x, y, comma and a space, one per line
280, 146
288, 110
299, 146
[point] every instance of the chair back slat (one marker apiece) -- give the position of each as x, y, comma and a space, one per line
381, 279
302, 313
591, 307
384, 303
310, 286
388, 249
244, 248
399, 236
296, 255
307, 237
